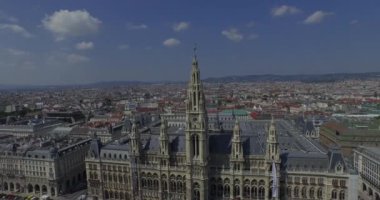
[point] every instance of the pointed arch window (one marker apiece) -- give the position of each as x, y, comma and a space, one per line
341, 195
196, 192
261, 192
195, 145
320, 193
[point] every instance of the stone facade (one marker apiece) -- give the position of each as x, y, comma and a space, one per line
40, 168
367, 163
240, 159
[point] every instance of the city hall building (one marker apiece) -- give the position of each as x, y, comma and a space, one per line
194, 162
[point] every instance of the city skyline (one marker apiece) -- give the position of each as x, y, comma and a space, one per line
85, 42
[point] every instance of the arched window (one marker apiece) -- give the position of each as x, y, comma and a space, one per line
296, 191
254, 192
226, 191
6, 186
364, 187
261, 192
303, 192
44, 189
213, 190
320, 193
289, 191
106, 195
30, 188
236, 191
52, 191
179, 186
341, 195
173, 186
220, 190
36, 189
333, 194
195, 145
18, 187
164, 185
246, 191
150, 184
197, 194
311, 193
155, 184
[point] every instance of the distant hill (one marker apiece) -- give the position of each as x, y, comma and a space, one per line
226, 79
299, 77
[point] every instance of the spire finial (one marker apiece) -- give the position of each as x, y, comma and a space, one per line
195, 50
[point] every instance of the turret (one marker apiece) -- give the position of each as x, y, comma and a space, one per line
135, 140
272, 150
164, 138
237, 156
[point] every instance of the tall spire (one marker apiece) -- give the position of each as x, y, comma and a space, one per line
273, 150
164, 138
195, 51
196, 133
237, 130
135, 139
237, 155
196, 114
195, 61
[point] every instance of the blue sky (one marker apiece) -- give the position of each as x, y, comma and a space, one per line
75, 41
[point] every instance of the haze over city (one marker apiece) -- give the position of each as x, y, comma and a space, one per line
74, 42
189, 100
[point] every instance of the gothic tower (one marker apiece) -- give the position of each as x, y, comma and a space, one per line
237, 159
272, 150
164, 139
273, 160
196, 137
135, 140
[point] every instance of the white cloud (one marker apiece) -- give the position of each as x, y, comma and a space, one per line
181, 26
284, 10
84, 45
6, 17
253, 36
17, 52
171, 42
75, 58
65, 23
233, 34
16, 29
123, 46
355, 21
131, 26
251, 24
317, 17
